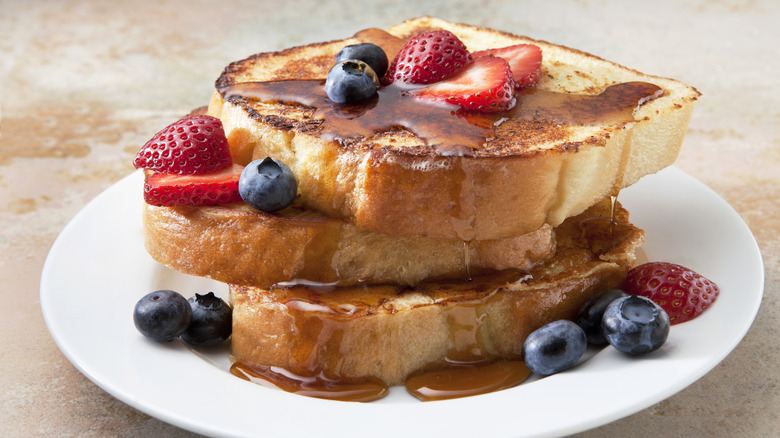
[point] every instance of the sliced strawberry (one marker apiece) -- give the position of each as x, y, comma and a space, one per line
681, 292
168, 190
194, 145
525, 60
486, 85
428, 57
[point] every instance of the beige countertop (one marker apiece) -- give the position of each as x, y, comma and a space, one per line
84, 83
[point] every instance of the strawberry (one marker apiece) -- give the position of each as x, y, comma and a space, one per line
428, 57
194, 145
525, 60
681, 292
486, 85
218, 188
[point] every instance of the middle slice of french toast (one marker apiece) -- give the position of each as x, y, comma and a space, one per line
237, 244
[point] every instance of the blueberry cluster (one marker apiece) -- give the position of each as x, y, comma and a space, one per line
632, 324
355, 76
165, 315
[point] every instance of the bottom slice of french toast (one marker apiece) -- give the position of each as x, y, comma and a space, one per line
390, 332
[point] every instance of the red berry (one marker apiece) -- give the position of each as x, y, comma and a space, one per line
168, 190
428, 57
525, 60
681, 292
486, 85
194, 145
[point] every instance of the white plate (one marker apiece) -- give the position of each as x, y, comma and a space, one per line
97, 269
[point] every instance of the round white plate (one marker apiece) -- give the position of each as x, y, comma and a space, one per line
97, 269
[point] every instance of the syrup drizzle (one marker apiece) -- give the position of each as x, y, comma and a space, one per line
604, 233
467, 258
612, 208
390, 108
446, 129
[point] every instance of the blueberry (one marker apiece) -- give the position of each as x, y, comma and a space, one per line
162, 315
591, 313
371, 54
212, 321
267, 185
554, 347
635, 325
351, 81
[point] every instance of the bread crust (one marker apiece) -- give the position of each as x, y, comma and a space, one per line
389, 332
529, 174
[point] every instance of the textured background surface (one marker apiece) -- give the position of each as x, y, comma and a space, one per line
83, 84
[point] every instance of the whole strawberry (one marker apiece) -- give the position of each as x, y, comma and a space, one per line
681, 292
194, 145
428, 57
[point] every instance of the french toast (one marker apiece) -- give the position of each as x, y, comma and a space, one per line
421, 235
584, 132
237, 244
390, 332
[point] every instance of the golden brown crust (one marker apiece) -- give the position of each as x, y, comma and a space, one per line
239, 245
528, 174
390, 332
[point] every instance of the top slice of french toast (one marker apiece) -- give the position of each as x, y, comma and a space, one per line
399, 166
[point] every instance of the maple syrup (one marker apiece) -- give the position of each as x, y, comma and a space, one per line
389, 43
467, 379
612, 208
447, 130
318, 386
467, 258
605, 233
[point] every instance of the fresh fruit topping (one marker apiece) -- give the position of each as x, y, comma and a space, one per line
554, 347
592, 312
167, 190
428, 57
351, 81
212, 321
486, 85
369, 53
681, 292
194, 145
162, 315
525, 60
635, 325
267, 185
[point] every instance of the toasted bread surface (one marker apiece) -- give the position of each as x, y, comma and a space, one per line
389, 331
528, 172
237, 244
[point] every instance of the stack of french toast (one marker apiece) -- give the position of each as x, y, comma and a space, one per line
408, 247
